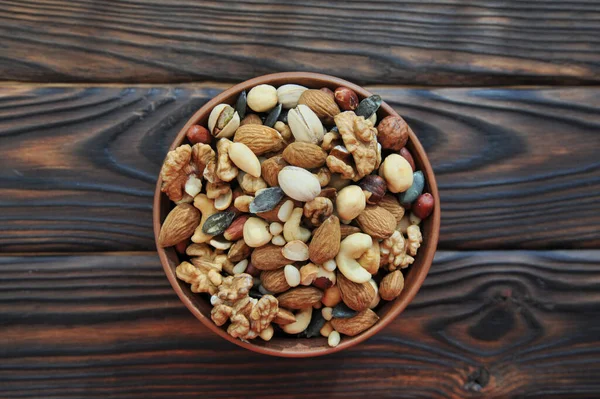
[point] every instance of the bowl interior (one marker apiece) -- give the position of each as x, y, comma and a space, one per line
302, 347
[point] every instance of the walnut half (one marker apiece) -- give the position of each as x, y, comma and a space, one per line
393, 252
202, 279
360, 138
318, 210
248, 316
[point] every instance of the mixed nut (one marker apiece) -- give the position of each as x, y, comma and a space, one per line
292, 211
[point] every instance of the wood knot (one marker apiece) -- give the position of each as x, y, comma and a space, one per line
477, 380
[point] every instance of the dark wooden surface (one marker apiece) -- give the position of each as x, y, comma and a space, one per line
511, 308
485, 324
442, 42
517, 168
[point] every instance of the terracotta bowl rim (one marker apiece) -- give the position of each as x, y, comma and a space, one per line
398, 305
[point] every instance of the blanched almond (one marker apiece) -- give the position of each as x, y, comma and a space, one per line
245, 159
299, 184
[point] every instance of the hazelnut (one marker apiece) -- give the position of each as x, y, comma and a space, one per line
346, 98
392, 133
374, 188
198, 134
324, 279
397, 173
350, 202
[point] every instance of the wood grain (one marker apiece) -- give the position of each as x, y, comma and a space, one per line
445, 42
485, 324
516, 168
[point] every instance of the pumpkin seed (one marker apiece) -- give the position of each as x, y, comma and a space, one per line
283, 116
316, 323
341, 311
266, 200
368, 106
240, 105
219, 222
410, 195
273, 116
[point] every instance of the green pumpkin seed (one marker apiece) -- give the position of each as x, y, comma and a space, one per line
273, 116
240, 105
341, 311
283, 116
219, 222
410, 195
266, 200
316, 323
368, 106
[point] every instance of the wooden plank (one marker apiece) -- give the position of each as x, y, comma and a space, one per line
516, 168
444, 42
485, 324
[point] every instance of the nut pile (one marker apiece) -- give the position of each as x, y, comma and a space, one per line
294, 212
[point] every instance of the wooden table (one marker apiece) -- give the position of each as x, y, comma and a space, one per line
503, 95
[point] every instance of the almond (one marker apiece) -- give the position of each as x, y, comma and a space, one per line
305, 155
377, 221
259, 138
346, 230
391, 286
271, 168
179, 225
235, 231
300, 297
355, 325
357, 296
391, 203
325, 243
268, 257
239, 251
321, 103
274, 281
284, 317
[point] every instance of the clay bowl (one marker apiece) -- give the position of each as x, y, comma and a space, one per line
200, 306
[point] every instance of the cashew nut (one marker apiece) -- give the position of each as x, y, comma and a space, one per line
370, 259
352, 248
292, 230
302, 321
207, 208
